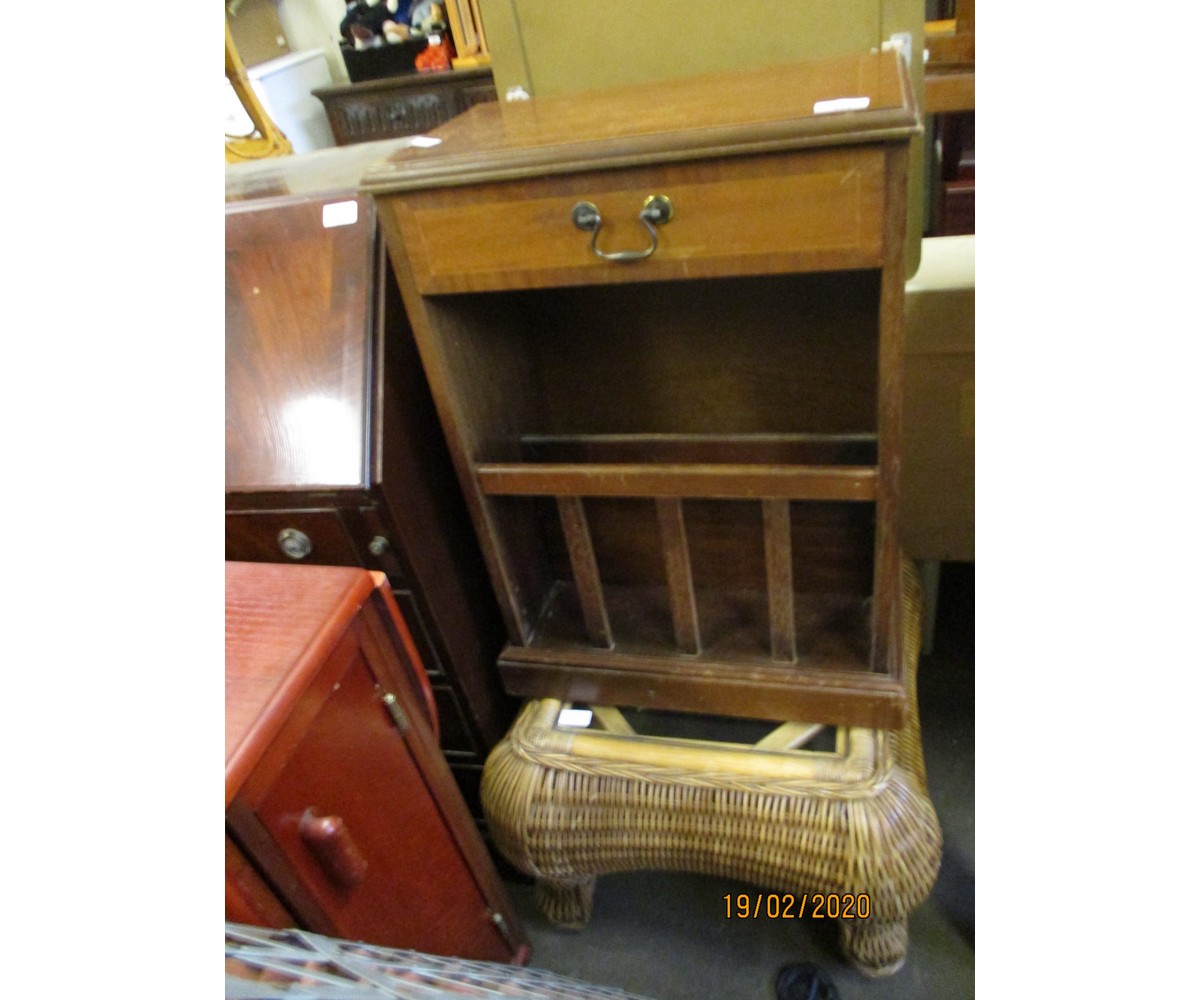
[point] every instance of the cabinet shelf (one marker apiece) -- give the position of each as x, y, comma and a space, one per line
718, 482
678, 466
734, 669
711, 448
832, 630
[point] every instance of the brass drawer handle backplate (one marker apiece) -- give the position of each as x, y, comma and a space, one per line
657, 210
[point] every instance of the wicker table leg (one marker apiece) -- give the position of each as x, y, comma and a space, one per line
875, 947
566, 903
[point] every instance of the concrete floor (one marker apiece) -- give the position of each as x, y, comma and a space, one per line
665, 935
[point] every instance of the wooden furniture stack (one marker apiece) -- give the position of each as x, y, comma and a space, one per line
663, 327
340, 813
334, 454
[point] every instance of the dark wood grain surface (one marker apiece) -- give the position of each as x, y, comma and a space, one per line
401, 105
714, 115
297, 321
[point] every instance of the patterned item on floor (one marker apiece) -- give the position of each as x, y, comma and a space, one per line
804, 981
299, 965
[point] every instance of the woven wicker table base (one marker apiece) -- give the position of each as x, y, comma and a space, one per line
566, 805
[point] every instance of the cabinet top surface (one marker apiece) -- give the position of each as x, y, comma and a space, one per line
280, 624
298, 326
849, 99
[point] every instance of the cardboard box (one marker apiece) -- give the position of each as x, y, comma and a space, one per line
937, 477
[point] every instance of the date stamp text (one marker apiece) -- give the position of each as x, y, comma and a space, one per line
790, 906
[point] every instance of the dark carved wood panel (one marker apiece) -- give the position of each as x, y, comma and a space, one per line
402, 105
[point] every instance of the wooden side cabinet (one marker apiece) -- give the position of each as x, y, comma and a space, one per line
341, 814
402, 105
664, 328
334, 454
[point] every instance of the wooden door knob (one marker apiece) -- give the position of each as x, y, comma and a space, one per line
329, 841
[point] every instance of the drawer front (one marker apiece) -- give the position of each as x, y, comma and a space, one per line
315, 536
752, 215
456, 733
374, 852
470, 779
415, 621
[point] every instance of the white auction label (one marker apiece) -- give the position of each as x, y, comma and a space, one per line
841, 104
576, 718
339, 213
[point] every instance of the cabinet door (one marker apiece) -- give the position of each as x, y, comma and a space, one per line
362, 828
248, 899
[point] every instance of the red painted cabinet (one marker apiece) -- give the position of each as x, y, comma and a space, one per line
339, 804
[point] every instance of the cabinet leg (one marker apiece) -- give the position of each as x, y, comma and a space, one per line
566, 903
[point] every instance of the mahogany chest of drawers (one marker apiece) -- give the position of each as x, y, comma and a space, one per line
334, 454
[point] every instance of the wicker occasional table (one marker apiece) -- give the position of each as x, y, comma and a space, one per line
853, 825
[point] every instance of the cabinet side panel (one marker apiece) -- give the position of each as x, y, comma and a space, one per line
887, 652
479, 377
425, 505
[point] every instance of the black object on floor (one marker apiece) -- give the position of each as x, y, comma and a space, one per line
804, 981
